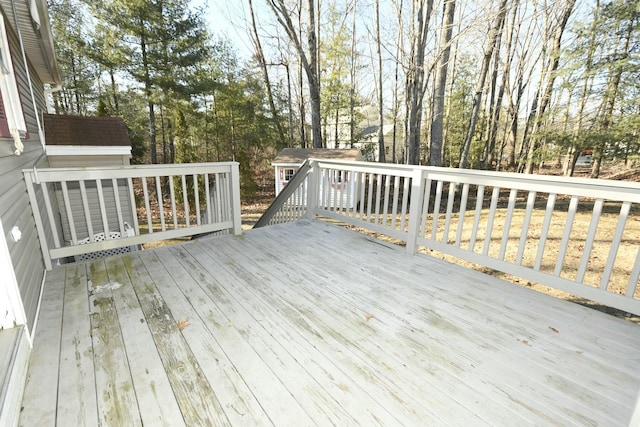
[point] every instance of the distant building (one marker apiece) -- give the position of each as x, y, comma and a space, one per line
365, 139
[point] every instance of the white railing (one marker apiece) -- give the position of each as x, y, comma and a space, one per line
581, 236
291, 203
85, 210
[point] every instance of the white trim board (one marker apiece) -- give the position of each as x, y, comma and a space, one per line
84, 150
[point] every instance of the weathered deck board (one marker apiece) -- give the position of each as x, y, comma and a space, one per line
203, 332
376, 354
153, 390
77, 399
542, 342
337, 331
310, 324
41, 392
264, 326
117, 404
194, 394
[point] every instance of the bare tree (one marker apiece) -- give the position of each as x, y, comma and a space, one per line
496, 29
416, 83
396, 81
265, 73
352, 74
543, 95
437, 137
573, 152
625, 17
381, 153
309, 61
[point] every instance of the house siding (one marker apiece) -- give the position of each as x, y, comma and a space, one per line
15, 210
78, 213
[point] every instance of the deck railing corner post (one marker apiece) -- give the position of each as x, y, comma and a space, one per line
235, 199
30, 178
312, 189
415, 206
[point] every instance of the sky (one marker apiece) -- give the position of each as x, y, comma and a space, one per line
226, 19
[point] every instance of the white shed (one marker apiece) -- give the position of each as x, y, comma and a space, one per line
289, 160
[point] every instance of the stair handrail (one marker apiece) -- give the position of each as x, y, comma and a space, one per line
294, 183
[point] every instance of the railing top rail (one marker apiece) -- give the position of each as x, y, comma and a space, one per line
584, 187
108, 172
403, 170
513, 176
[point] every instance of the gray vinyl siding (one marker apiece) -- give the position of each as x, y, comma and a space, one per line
14, 202
78, 213
93, 160
75, 197
16, 211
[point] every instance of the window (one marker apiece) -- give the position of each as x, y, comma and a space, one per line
288, 174
12, 123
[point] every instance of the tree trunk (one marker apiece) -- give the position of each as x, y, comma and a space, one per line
148, 93
309, 62
550, 75
290, 106
75, 84
495, 102
486, 60
506, 87
263, 65
303, 112
574, 151
352, 89
437, 123
396, 85
314, 78
415, 77
611, 91
114, 91
381, 152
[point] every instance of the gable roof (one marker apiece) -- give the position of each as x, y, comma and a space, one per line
87, 131
299, 155
30, 19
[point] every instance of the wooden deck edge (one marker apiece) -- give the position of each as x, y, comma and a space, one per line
14, 374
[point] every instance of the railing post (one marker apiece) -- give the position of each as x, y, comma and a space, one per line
312, 189
635, 416
235, 199
415, 208
35, 210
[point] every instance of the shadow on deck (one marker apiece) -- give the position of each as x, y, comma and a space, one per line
308, 323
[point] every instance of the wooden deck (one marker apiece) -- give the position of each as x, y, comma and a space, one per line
307, 323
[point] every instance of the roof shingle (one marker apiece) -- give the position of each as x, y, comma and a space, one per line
79, 130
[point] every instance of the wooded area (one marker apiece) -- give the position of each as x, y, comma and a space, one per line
501, 85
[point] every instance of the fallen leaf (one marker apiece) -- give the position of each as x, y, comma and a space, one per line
368, 317
553, 329
525, 342
183, 323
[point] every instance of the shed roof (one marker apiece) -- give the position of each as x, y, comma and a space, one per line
299, 155
92, 131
